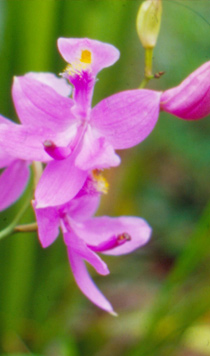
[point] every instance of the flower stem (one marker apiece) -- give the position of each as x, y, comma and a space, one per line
144, 83
37, 169
26, 227
148, 68
11, 227
148, 62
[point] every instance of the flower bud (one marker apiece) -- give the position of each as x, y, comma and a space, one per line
148, 22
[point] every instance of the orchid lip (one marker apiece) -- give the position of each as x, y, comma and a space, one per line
56, 152
95, 184
113, 242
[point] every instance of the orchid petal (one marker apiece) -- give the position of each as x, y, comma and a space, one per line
100, 229
83, 207
48, 224
5, 159
60, 182
85, 283
56, 152
39, 105
4, 120
127, 118
113, 242
60, 85
96, 152
25, 142
191, 99
81, 249
102, 54
13, 182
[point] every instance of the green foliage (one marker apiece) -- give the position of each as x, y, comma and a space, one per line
20, 354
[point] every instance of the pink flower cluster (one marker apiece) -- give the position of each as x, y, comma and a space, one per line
59, 128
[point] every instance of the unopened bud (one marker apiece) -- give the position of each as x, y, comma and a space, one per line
148, 22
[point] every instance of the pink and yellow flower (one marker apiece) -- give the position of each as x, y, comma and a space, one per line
85, 236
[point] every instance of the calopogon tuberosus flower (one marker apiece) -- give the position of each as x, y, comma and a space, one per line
191, 99
86, 236
66, 131
72, 136
13, 179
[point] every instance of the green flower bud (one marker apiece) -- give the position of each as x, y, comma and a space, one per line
148, 22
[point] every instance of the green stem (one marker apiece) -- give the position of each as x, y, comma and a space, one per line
11, 227
26, 227
144, 83
148, 68
148, 62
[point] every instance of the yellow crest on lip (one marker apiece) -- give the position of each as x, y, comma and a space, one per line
85, 56
102, 185
77, 66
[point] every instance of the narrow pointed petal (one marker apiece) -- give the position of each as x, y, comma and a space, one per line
25, 142
81, 249
48, 225
96, 152
60, 182
102, 54
191, 99
13, 182
127, 118
85, 283
98, 230
39, 105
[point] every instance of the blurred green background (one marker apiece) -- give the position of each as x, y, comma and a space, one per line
162, 291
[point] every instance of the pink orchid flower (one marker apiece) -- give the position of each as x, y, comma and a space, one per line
85, 236
76, 138
26, 139
14, 178
66, 131
124, 124
191, 99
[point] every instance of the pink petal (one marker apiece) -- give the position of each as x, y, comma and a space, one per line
103, 54
39, 105
127, 118
60, 182
100, 229
4, 120
25, 142
85, 283
13, 182
60, 85
83, 207
48, 225
81, 249
96, 152
56, 152
5, 159
191, 99
113, 242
